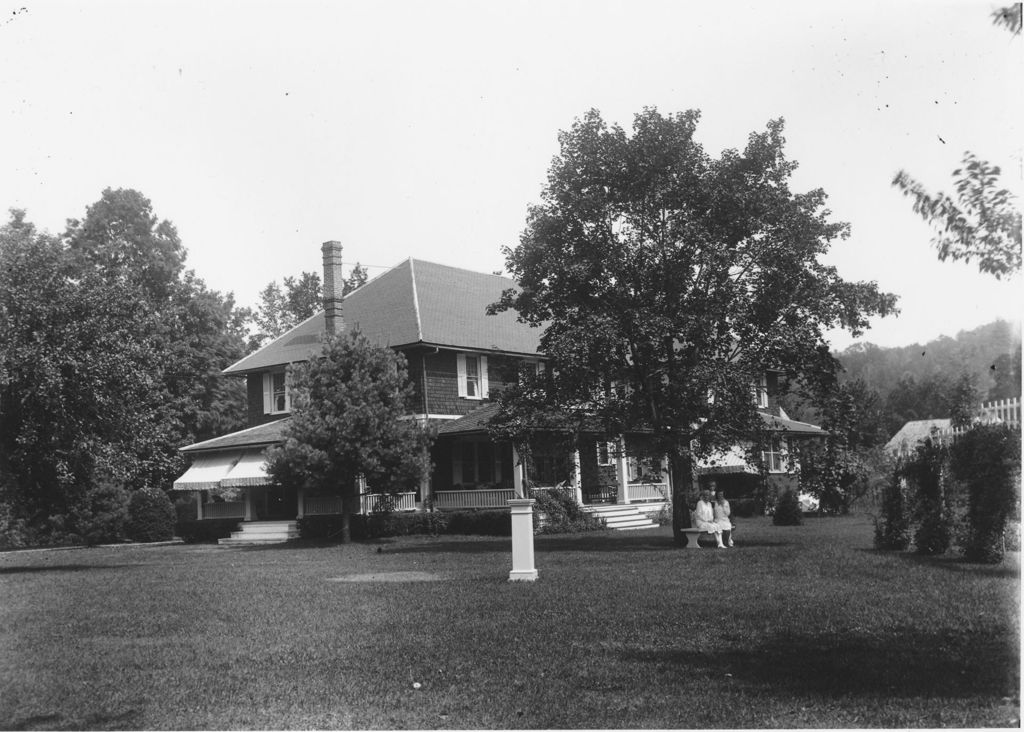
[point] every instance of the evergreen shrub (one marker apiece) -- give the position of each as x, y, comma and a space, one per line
892, 527
562, 514
101, 516
987, 460
787, 510
923, 471
151, 516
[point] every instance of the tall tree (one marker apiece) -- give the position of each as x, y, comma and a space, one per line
349, 419
667, 280
82, 399
196, 330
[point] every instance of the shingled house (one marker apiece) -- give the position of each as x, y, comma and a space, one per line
458, 358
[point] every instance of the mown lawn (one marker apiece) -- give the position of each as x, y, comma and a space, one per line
795, 627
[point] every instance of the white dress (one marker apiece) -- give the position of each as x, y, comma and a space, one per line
722, 511
704, 518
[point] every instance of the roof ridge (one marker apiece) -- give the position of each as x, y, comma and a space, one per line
461, 269
415, 298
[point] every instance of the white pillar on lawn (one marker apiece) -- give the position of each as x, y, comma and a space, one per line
522, 541
622, 471
577, 476
300, 501
518, 474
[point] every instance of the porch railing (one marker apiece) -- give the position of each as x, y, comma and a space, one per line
403, 501
227, 509
322, 506
486, 498
331, 505
648, 492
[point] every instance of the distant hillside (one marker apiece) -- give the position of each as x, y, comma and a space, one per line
992, 353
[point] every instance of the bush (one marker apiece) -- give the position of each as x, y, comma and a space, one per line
923, 472
787, 510
101, 516
373, 526
892, 529
747, 507
987, 459
482, 523
562, 514
151, 516
194, 531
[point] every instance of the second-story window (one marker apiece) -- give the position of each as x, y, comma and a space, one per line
276, 399
472, 375
759, 389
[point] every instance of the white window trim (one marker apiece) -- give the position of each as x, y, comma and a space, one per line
760, 390
610, 447
783, 456
463, 376
268, 394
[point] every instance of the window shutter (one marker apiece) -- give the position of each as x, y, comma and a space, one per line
268, 393
460, 364
483, 377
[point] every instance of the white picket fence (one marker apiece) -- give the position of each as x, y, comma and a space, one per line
1006, 411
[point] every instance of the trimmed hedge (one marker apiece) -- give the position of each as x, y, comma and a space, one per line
194, 531
383, 525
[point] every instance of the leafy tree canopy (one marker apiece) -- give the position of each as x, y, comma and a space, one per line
982, 223
81, 393
349, 419
666, 280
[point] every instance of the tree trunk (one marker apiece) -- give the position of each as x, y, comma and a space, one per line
682, 480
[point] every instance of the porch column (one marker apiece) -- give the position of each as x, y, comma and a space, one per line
577, 476
518, 473
199, 505
248, 505
622, 471
300, 501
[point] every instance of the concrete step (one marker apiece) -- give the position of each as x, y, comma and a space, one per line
254, 533
622, 517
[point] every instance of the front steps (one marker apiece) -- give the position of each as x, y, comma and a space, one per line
622, 517
257, 533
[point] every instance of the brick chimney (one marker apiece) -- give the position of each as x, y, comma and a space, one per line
334, 282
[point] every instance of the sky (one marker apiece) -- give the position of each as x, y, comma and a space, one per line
426, 129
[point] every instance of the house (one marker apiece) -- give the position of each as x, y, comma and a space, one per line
459, 359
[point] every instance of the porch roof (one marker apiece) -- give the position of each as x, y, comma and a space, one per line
249, 471
474, 422
781, 424
261, 435
206, 472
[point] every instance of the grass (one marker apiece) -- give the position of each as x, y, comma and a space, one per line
795, 627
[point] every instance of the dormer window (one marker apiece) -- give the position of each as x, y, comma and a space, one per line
276, 399
759, 390
472, 375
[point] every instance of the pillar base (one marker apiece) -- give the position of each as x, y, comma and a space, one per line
522, 575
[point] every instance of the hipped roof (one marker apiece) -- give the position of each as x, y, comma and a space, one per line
416, 302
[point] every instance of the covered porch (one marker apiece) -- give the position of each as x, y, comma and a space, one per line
471, 471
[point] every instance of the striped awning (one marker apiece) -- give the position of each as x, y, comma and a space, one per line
733, 460
206, 472
249, 471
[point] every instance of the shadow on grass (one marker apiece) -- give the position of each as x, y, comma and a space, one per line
1009, 568
950, 665
60, 568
